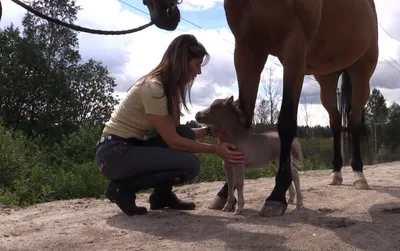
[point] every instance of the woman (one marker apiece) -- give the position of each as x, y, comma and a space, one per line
143, 146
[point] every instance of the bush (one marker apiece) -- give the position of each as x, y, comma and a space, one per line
32, 172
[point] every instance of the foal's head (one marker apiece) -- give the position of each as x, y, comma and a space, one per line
221, 113
164, 13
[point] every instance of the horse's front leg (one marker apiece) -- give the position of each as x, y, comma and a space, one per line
292, 192
249, 60
293, 60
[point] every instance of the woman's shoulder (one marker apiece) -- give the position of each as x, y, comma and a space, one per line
152, 86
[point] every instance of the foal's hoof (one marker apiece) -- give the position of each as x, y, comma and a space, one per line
299, 205
238, 212
361, 184
218, 203
228, 209
272, 208
335, 180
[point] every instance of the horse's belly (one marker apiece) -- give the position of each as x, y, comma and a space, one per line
341, 39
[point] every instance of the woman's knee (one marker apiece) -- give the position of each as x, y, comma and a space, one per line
186, 131
192, 167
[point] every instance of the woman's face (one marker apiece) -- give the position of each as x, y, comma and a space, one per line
195, 67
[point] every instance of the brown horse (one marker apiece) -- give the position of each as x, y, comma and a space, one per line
325, 38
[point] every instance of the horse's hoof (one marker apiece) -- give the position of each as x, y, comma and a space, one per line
361, 184
218, 203
335, 180
272, 208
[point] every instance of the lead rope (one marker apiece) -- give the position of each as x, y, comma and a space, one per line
76, 27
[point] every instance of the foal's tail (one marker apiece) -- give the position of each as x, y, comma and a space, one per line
345, 108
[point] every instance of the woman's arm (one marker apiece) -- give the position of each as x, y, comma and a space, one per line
165, 125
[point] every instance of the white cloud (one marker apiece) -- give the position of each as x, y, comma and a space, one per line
130, 56
198, 5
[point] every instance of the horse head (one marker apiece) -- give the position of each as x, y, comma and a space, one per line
164, 13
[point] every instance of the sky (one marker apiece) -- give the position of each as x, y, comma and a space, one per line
128, 57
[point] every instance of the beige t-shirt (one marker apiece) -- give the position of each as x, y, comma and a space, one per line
129, 118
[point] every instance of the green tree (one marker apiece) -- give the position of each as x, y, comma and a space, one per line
376, 116
93, 91
377, 111
392, 130
44, 90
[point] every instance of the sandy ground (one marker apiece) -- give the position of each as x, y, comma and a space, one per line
334, 218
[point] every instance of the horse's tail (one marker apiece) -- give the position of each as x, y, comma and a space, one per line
345, 108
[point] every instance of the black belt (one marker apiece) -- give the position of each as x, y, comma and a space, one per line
106, 138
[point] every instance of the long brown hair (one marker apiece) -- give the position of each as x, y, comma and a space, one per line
173, 70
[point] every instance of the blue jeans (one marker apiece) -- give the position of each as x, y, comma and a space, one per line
123, 159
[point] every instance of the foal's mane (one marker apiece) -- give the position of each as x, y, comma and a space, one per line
237, 111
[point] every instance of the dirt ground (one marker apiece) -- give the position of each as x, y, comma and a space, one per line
334, 218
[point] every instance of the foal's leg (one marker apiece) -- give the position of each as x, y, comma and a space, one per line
328, 84
230, 179
296, 181
239, 181
222, 196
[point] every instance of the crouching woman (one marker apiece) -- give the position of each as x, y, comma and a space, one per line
143, 146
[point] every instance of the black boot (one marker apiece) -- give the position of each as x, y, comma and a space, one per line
163, 196
124, 199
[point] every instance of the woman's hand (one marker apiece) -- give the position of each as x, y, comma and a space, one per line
228, 153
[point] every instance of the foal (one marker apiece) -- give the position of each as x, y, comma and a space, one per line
260, 150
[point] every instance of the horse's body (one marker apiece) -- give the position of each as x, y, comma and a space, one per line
325, 38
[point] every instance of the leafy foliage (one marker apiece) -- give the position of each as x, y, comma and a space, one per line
45, 91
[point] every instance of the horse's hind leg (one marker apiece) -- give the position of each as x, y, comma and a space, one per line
357, 92
328, 97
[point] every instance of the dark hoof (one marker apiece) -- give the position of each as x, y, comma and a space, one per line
272, 208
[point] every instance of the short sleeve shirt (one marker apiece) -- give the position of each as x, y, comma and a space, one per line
130, 117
